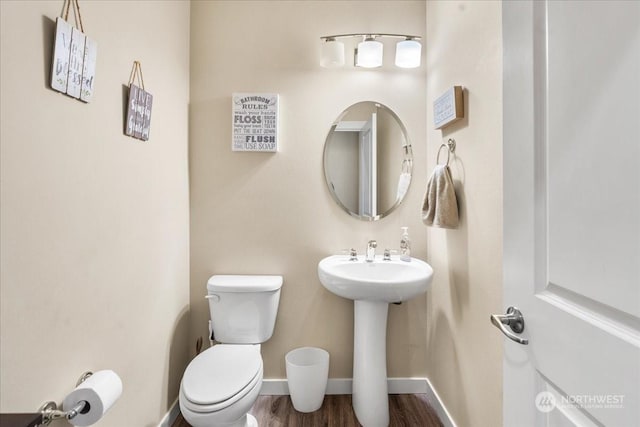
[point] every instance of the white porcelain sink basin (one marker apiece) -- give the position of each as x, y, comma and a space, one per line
384, 281
372, 286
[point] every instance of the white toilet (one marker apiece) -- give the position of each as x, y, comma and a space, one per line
221, 384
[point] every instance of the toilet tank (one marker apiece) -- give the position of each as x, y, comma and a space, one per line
243, 309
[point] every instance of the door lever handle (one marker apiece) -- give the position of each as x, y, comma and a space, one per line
515, 320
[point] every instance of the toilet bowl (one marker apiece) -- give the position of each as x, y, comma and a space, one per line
222, 383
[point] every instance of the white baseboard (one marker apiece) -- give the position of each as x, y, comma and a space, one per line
396, 386
170, 417
277, 387
438, 406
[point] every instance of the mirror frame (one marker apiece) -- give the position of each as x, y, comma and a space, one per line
407, 156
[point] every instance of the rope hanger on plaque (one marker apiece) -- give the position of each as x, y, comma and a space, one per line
73, 66
138, 123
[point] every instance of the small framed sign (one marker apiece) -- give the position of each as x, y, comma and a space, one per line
448, 108
255, 122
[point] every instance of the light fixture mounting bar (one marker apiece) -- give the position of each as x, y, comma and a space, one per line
400, 36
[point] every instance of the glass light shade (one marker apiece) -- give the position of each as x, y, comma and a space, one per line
369, 54
332, 54
408, 54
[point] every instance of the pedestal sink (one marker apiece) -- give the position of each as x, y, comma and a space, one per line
372, 286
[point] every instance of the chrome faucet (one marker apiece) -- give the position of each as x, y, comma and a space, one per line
371, 250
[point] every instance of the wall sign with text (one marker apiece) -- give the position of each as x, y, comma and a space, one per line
73, 65
448, 108
138, 119
255, 122
138, 113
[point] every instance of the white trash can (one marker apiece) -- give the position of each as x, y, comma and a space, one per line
307, 374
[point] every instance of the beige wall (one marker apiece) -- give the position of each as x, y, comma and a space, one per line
272, 213
464, 47
94, 229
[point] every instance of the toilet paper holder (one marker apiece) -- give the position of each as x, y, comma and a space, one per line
50, 411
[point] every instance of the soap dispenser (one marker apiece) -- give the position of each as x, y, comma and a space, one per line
405, 245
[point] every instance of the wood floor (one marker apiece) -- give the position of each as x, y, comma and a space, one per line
405, 410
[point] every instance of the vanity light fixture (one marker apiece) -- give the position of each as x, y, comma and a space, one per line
369, 52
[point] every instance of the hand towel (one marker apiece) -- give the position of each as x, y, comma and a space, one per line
440, 206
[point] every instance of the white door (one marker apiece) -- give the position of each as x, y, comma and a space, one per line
368, 182
572, 212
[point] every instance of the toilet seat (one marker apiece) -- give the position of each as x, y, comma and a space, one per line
220, 376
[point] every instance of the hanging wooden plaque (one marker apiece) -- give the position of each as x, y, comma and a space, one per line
74, 57
138, 119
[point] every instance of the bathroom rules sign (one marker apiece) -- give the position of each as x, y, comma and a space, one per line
254, 122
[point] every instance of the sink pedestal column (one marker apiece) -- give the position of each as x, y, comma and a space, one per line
370, 395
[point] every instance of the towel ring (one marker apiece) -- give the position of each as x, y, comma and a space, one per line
450, 146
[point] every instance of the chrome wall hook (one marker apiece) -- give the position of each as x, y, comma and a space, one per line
451, 148
451, 143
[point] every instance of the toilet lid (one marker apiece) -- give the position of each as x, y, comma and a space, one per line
220, 372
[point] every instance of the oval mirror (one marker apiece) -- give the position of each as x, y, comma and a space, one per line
368, 161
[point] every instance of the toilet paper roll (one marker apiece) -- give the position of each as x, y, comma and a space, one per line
100, 391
